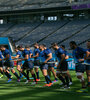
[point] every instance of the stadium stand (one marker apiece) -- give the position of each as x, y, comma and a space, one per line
67, 31
61, 32
4, 28
20, 30
41, 32
80, 37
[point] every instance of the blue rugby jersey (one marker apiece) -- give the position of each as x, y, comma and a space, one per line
1, 57
46, 53
88, 60
24, 53
42, 56
78, 53
35, 52
5, 53
19, 53
58, 53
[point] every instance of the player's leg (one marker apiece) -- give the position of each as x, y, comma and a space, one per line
37, 73
23, 68
64, 68
80, 68
30, 67
15, 73
54, 74
70, 79
88, 74
11, 65
79, 72
49, 71
1, 68
36, 67
6, 71
60, 77
19, 69
1, 71
45, 74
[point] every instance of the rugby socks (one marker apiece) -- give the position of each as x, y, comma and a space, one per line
46, 79
8, 75
49, 79
33, 75
67, 81
62, 79
1, 72
37, 73
21, 74
70, 79
56, 79
16, 75
25, 75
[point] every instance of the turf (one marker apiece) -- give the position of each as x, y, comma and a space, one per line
21, 91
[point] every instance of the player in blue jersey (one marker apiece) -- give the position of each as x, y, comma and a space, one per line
9, 64
79, 54
19, 63
45, 58
1, 64
36, 57
67, 57
51, 64
88, 63
62, 65
27, 47
28, 65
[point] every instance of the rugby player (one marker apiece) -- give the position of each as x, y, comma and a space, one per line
19, 63
36, 60
62, 65
88, 62
1, 64
28, 65
67, 57
8, 64
45, 58
79, 54
50, 64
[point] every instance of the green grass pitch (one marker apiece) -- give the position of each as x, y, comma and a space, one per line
22, 91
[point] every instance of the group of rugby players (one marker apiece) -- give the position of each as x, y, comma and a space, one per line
44, 60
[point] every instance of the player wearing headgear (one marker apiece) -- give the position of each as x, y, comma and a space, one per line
78, 54
9, 64
62, 66
19, 63
88, 63
28, 65
51, 64
67, 57
45, 58
36, 57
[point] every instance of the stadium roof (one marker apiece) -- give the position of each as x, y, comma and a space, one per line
9, 5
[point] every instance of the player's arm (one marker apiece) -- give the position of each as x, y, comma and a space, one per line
26, 57
7, 57
16, 57
49, 57
1, 59
37, 55
67, 57
87, 55
31, 55
84, 52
